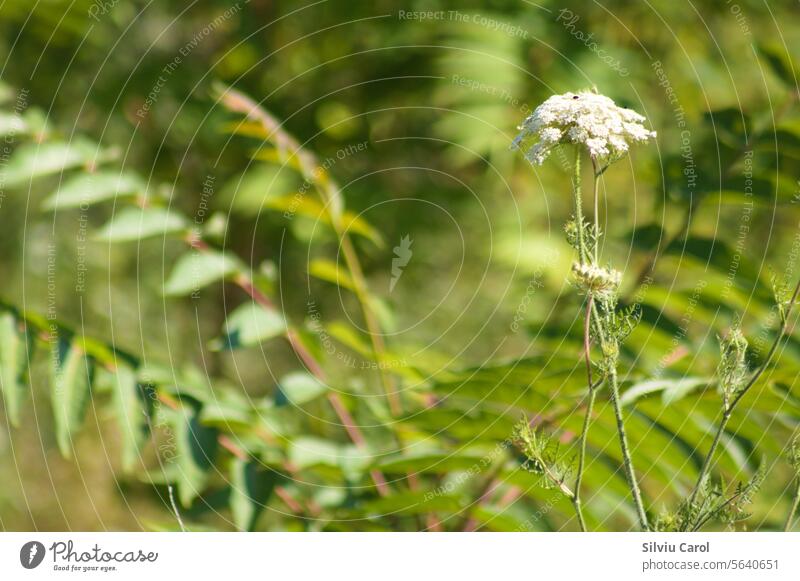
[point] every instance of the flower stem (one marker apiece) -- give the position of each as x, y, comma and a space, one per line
576, 501
596, 216
593, 317
583, 255
627, 460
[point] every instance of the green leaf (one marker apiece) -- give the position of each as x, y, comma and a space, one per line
11, 124
308, 452
195, 449
34, 160
329, 271
308, 206
298, 388
6, 93
133, 223
251, 487
248, 325
434, 463
779, 61
91, 188
197, 269
411, 503
70, 390
133, 403
15, 347
672, 389
348, 336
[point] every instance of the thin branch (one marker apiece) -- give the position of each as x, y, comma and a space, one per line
313, 366
311, 171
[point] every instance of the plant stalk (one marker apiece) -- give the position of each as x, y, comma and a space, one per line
795, 503
596, 198
626, 453
593, 316
753, 378
295, 155
588, 418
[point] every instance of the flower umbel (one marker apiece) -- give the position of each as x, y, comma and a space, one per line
602, 282
584, 118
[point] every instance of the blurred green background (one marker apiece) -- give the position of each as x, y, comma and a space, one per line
434, 90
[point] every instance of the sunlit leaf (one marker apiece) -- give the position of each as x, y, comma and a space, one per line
33, 160
251, 486
90, 188
671, 389
197, 269
15, 348
11, 124
329, 271
70, 389
133, 403
250, 324
305, 204
195, 449
298, 388
780, 62
132, 223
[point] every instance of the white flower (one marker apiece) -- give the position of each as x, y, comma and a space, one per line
585, 118
600, 281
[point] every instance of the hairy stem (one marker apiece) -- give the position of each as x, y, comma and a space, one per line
589, 409
627, 459
583, 255
596, 217
594, 318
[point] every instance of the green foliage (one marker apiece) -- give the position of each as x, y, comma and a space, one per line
251, 487
713, 503
195, 270
133, 403
298, 388
133, 224
542, 456
91, 188
15, 350
227, 394
250, 324
35, 160
70, 385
